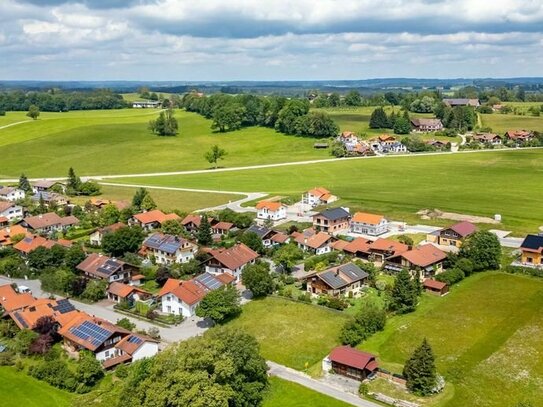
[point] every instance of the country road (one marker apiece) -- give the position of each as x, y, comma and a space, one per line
15, 124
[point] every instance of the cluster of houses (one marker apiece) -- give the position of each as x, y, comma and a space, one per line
517, 137
383, 144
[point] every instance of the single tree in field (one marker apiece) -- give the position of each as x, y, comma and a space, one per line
203, 235
215, 154
33, 112
420, 370
24, 184
404, 296
483, 249
379, 119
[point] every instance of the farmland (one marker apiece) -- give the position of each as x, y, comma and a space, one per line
500, 123
481, 345
472, 183
287, 394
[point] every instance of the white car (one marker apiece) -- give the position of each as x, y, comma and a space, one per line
24, 289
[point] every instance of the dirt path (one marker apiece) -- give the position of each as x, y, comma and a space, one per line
15, 124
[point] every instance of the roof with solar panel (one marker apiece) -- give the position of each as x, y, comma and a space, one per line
166, 243
100, 265
90, 332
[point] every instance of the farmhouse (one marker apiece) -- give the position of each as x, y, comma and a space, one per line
97, 236
231, 261
423, 262
454, 235
168, 249
488, 138
462, 102
11, 194
151, 219
49, 223
271, 210
315, 242
369, 224
123, 292
350, 362
101, 267
426, 125
318, 196
519, 136
10, 211
435, 287
347, 279
332, 220
532, 251
45, 186
146, 104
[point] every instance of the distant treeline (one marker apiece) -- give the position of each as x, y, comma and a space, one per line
60, 101
289, 116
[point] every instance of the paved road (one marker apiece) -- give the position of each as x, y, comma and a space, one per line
298, 377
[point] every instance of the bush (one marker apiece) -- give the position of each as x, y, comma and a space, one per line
95, 290
365, 323
7, 358
530, 271
333, 302
126, 324
451, 276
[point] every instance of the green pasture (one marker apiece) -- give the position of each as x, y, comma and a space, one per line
287, 394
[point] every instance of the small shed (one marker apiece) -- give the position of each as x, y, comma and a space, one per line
352, 363
435, 287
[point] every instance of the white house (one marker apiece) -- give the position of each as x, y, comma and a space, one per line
369, 224
231, 261
45, 185
11, 194
348, 139
146, 104
271, 210
318, 196
10, 211
168, 249
49, 223
97, 236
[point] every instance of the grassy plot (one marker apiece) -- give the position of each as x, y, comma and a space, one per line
484, 184
291, 333
167, 200
119, 142
500, 123
286, 394
484, 334
18, 389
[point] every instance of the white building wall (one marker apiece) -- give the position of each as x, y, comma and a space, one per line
12, 213
147, 350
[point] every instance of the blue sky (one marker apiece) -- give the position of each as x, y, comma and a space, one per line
269, 39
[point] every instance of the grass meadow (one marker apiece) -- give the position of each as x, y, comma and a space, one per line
283, 393
479, 183
500, 123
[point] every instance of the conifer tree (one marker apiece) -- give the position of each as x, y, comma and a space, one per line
420, 370
405, 293
73, 181
204, 236
24, 184
138, 198
147, 204
379, 119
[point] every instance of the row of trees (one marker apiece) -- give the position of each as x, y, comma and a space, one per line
400, 123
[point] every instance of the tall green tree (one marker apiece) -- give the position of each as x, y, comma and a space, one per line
420, 370
165, 124
483, 249
220, 305
33, 112
287, 256
251, 240
24, 184
73, 182
203, 235
123, 240
214, 155
289, 115
148, 204
257, 278
139, 195
404, 296
402, 126
228, 117
353, 98
379, 119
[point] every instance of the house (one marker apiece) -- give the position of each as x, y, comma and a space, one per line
519, 136
11, 194
386, 143
347, 279
369, 224
32, 242
271, 210
454, 235
11, 300
49, 223
437, 144
60, 310
435, 287
182, 297
358, 247
332, 220
152, 219
98, 203
192, 222
362, 149
269, 236
49, 198
532, 251
101, 267
123, 292
488, 138
382, 249
168, 249
318, 196
10, 210
462, 102
222, 228
146, 104
8, 233
351, 363
131, 348
423, 262
48, 186
231, 261
97, 236
423, 125
348, 138
312, 241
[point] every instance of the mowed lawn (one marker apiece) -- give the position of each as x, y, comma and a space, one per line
167, 200
291, 333
19, 389
486, 335
119, 142
500, 123
504, 182
283, 393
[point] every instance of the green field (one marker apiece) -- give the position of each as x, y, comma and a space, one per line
500, 123
486, 336
504, 182
286, 394
291, 333
18, 389
118, 142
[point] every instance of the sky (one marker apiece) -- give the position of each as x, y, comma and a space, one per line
222, 40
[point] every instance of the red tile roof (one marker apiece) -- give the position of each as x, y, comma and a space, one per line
272, 206
319, 192
124, 290
11, 300
315, 241
430, 283
234, 257
424, 256
387, 245
463, 228
358, 245
155, 216
49, 219
30, 243
368, 218
351, 357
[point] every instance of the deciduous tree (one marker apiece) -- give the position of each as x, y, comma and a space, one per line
220, 305
214, 155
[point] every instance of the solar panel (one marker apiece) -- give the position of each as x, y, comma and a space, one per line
208, 281
135, 339
64, 306
91, 332
169, 247
21, 320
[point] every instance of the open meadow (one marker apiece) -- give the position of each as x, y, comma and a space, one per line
119, 142
478, 183
500, 123
287, 394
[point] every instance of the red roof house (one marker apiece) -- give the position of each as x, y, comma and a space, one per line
352, 363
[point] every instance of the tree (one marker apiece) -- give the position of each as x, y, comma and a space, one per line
316, 124
126, 324
138, 197
95, 290
257, 278
214, 155
353, 98
220, 305
366, 322
23, 340
404, 296
41, 345
41, 257
162, 275
73, 181
424, 105
402, 126
203, 234
483, 249
123, 240
33, 112
289, 114
89, 370
165, 124
420, 370
172, 227
109, 215
405, 239
147, 204
251, 240
45, 325
379, 119
73, 256
228, 117
288, 255
24, 184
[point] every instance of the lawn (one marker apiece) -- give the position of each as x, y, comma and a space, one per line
500, 123
119, 142
291, 333
286, 394
167, 200
18, 389
486, 336
480, 183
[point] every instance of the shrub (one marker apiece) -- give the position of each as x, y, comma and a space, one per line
7, 358
451, 276
95, 290
126, 324
365, 323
